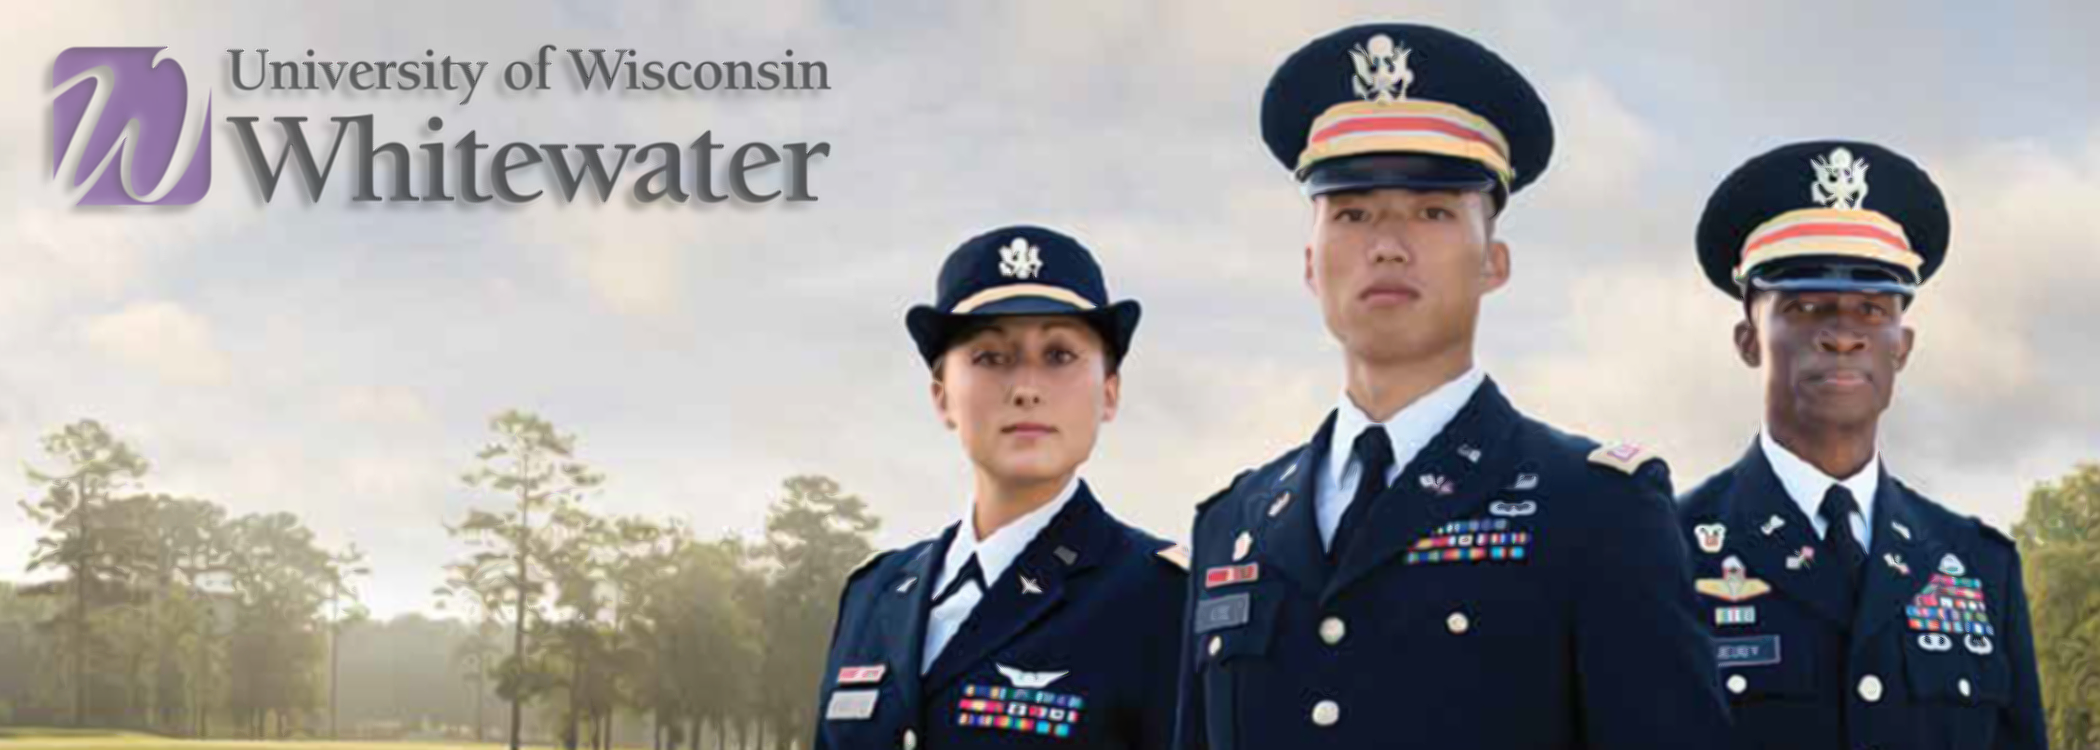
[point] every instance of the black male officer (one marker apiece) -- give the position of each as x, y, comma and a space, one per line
1038, 620
1848, 610
1432, 568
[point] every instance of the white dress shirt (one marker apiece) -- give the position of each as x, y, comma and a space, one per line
1409, 430
994, 554
1806, 484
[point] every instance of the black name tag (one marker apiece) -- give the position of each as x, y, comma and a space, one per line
1754, 651
1222, 612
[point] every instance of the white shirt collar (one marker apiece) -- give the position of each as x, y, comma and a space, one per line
997, 552
1807, 484
1410, 430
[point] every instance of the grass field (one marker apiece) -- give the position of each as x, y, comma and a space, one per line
40, 738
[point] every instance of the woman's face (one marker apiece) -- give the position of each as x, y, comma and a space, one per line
1027, 395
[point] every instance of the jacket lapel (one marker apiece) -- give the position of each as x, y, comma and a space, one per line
1083, 531
900, 614
1757, 499
1889, 587
1452, 476
1292, 542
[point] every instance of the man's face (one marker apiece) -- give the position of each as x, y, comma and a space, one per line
1830, 358
1400, 273
1027, 395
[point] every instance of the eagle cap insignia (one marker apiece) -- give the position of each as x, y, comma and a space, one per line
1841, 180
1382, 74
1020, 260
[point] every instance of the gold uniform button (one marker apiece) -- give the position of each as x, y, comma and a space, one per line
1216, 643
1870, 689
1963, 686
1458, 623
1738, 683
1333, 630
1326, 713
911, 740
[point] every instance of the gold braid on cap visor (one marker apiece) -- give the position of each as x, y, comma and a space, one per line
1010, 291
1407, 126
1849, 233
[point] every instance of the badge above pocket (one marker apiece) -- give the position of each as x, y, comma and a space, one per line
1497, 539
1023, 710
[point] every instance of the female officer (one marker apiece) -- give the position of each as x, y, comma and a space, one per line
1037, 620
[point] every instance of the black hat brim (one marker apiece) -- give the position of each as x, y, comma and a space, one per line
1423, 172
933, 330
1825, 273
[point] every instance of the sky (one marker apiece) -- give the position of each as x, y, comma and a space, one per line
342, 361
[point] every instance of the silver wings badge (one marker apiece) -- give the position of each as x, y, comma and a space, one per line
1030, 680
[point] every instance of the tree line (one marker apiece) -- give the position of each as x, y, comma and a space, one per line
585, 628
170, 614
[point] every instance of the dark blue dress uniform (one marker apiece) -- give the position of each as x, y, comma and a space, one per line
1529, 594
1516, 586
1075, 644
1936, 652
1104, 609
1927, 644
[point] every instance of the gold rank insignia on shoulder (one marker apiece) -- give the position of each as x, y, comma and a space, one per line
1626, 457
1177, 554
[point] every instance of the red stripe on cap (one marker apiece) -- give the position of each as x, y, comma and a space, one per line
1401, 125
1828, 230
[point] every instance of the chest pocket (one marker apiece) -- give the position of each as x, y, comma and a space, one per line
1957, 694
1234, 625
1758, 668
1946, 668
1232, 636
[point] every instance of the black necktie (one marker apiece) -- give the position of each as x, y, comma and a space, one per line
1374, 451
1836, 510
969, 573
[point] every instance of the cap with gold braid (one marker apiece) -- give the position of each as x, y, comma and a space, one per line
1020, 270
1824, 216
1405, 106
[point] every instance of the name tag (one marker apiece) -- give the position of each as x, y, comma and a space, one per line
1753, 651
1222, 612
851, 705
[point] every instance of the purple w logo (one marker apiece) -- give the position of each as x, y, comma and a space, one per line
108, 101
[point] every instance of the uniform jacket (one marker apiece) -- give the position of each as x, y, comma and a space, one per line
1516, 587
1072, 647
1936, 652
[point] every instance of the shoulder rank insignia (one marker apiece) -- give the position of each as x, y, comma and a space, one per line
1626, 457
1223, 491
1735, 583
1177, 554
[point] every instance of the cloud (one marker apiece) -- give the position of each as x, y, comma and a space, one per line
702, 353
162, 339
1603, 149
383, 405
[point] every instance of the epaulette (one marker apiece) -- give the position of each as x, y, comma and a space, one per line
1176, 554
1626, 457
1205, 505
868, 564
1992, 533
